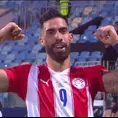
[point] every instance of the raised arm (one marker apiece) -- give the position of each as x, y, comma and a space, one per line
108, 36
10, 32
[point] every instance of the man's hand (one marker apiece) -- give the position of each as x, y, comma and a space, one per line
11, 32
107, 35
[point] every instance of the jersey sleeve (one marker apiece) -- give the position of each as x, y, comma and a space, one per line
17, 77
94, 78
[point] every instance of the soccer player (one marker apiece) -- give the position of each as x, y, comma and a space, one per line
56, 88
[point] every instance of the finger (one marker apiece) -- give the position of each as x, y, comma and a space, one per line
102, 33
16, 31
111, 30
98, 35
107, 34
19, 37
105, 41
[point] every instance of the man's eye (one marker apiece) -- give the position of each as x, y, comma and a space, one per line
50, 32
63, 30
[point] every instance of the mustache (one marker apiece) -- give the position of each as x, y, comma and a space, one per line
59, 44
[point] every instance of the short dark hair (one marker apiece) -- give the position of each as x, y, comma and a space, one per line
50, 14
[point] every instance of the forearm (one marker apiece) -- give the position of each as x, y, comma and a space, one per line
110, 80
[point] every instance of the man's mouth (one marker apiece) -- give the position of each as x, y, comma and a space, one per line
60, 46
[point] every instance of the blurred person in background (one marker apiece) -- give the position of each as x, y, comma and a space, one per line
112, 110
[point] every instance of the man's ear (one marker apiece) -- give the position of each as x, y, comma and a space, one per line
42, 41
71, 37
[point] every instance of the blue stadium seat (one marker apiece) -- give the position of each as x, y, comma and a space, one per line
76, 38
39, 61
74, 55
93, 14
82, 59
88, 32
93, 39
41, 56
18, 48
30, 57
84, 56
105, 22
14, 52
4, 52
10, 57
37, 47
30, 60
81, 63
21, 56
83, 39
7, 61
16, 61
21, 42
2, 65
7, 48
2, 57
95, 56
77, 11
92, 28
103, 13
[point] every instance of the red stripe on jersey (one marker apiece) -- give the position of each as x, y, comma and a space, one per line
46, 96
18, 77
79, 95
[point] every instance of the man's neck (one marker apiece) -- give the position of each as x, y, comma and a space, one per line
58, 67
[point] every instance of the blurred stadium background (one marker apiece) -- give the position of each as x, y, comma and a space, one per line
86, 49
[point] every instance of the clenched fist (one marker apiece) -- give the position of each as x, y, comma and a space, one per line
11, 32
107, 35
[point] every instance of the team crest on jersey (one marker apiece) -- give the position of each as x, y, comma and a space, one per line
78, 83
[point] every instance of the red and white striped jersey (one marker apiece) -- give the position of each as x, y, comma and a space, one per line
55, 94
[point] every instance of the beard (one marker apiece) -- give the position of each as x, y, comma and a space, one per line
59, 55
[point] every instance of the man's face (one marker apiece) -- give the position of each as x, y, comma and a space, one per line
56, 39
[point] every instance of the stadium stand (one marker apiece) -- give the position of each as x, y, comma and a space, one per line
29, 50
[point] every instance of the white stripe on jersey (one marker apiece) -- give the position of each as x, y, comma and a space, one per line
32, 99
90, 107
62, 94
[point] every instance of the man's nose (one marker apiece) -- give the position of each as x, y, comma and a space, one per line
58, 36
